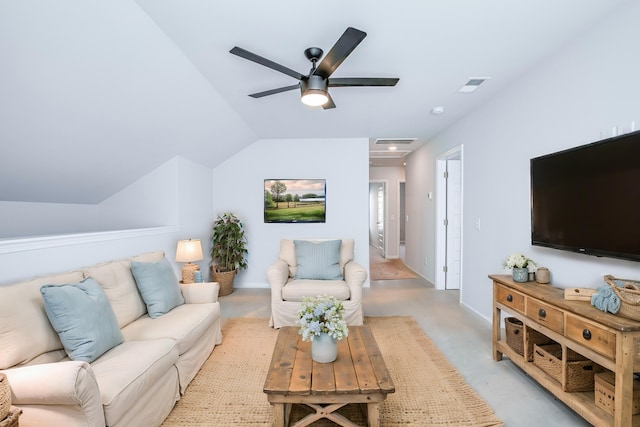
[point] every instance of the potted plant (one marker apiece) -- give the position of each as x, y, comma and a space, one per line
321, 322
228, 251
520, 266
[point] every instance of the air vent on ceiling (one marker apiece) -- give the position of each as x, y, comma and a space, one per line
473, 84
396, 154
394, 141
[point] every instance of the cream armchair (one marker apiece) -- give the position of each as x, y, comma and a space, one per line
289, 283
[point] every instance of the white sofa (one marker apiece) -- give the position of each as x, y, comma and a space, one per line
288, 288
135, 383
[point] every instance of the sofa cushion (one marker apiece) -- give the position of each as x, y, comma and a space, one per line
83, 318
318, 260
130, 370
185, 324
148, 257
118, 284
158, 285
25, 331
295, 290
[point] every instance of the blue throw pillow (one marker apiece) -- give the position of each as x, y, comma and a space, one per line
83, 318
158, 286
318, 260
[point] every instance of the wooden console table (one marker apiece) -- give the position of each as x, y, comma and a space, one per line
609, 340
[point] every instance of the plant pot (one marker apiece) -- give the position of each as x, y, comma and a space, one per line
520, 275
324, 348
225, 279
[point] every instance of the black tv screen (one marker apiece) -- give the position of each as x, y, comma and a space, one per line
587, 199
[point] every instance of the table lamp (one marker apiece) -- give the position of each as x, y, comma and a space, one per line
189, 251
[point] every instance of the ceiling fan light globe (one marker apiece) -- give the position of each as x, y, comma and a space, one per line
314, 98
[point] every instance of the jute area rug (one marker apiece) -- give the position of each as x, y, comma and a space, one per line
429, 390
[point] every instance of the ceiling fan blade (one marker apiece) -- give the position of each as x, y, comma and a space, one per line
329, 104
339, 52
362, 81
274, 91
266, 62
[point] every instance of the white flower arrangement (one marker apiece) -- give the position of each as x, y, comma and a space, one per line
321, 314
519, 261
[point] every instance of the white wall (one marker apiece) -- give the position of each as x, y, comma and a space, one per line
238, 188
391, 176
574, 98
420, 232
175, 198
138, 205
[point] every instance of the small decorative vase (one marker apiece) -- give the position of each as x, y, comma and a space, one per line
543, 275
520, 274
324, 348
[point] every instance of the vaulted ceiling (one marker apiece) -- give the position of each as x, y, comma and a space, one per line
96, 94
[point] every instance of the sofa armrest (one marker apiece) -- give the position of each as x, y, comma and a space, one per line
355, 276
277, 274
70, 383
200, 293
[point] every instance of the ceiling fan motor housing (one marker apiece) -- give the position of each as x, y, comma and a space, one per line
314, 82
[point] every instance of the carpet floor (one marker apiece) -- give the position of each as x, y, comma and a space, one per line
429, 390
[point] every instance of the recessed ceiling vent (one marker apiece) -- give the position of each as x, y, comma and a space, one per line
386, 154
473, 84
394, 141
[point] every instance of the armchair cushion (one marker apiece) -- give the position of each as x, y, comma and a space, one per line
318, 260
295, 290
288, 254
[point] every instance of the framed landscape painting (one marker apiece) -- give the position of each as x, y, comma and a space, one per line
294, 200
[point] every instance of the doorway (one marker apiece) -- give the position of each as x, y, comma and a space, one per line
402, 221
449, 219
377, 210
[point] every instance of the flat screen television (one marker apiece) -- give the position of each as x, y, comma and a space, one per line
587, 199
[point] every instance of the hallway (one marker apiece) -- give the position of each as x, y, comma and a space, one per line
388, 269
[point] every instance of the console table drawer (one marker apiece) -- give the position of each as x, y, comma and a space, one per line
510, 298
546, 315
591, 335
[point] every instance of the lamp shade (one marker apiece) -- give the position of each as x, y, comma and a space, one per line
189, 250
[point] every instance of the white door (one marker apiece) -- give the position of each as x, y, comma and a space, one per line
454, 225
449, 213
380, 219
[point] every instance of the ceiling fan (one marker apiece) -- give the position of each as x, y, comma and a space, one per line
314, 86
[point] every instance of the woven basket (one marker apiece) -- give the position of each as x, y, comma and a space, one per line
580, 371
5, 397
225, 279
12, 419
629, 293
515, 337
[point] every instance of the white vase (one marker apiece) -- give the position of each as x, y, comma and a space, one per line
324, 348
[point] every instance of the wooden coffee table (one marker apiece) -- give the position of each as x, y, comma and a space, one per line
359, 375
